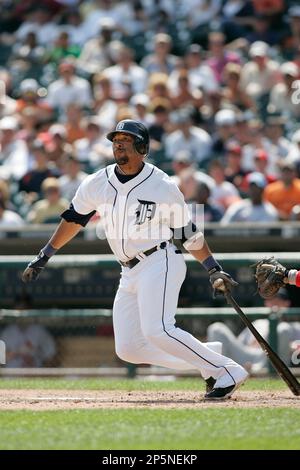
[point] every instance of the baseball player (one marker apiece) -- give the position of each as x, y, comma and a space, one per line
142, 210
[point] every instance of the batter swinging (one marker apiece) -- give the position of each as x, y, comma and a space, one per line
142, 210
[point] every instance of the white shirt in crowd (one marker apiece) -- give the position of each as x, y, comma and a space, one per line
61, 94
10, 219
69, 186
135, 76
245, 211
198, 143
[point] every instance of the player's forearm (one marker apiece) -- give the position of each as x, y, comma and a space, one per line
204, 255
63, 234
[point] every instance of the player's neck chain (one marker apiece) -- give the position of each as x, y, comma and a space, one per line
122, 172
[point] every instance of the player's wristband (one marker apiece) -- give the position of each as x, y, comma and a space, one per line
294, 277
211, 263
48, 250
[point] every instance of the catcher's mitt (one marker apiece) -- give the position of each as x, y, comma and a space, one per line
270, 276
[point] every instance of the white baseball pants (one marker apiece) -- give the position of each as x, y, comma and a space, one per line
144, 321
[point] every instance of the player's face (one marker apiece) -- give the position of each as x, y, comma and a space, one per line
123, 148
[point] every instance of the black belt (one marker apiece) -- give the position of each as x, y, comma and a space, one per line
134, 261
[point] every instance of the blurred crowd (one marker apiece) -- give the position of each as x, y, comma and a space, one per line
217, 83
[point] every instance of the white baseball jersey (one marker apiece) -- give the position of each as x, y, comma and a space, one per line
137, 215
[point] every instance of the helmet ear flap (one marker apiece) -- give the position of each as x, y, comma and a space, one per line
140, 147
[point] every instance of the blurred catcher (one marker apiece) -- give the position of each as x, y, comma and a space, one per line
271, 276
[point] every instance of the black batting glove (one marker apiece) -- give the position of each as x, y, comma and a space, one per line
221, 288
35, 267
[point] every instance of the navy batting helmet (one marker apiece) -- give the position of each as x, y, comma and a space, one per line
135, 128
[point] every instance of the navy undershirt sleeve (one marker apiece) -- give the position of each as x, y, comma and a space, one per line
70, 215
184, 233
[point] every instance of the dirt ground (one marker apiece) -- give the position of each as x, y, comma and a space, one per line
37, 400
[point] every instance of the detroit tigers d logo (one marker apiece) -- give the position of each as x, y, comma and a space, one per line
145, 211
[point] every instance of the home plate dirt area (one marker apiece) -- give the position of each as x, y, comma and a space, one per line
36, 400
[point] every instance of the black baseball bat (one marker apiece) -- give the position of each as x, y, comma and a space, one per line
277, 363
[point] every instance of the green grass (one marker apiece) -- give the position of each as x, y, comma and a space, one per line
208, 428
129, 384
151, 429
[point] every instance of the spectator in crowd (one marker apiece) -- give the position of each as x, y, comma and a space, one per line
5, 194
140, 104
62, 48
56, 143
73, 123
161, 60
32, 181
188, 137
48, 210
219, 57
158, 86
294, 151
104, 106
72, 23
245, 349
28, 345
69, 88
96, 52
8, 218
29, 98
160, 125
127, 78
188, 181
236, 18
120, 12
261, 73
181, 161
234, 171
295, 214
262, 31
204, 210
224, 193
284, 193
233, 93
8, 105
225, 121
28, 52
200, 74
261, 165
281, 96
40, 22
294, 20
93, 150
253, 209
257, 140
274, 131
72, 177
199, 16
13, 152
186, 95
212, 105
